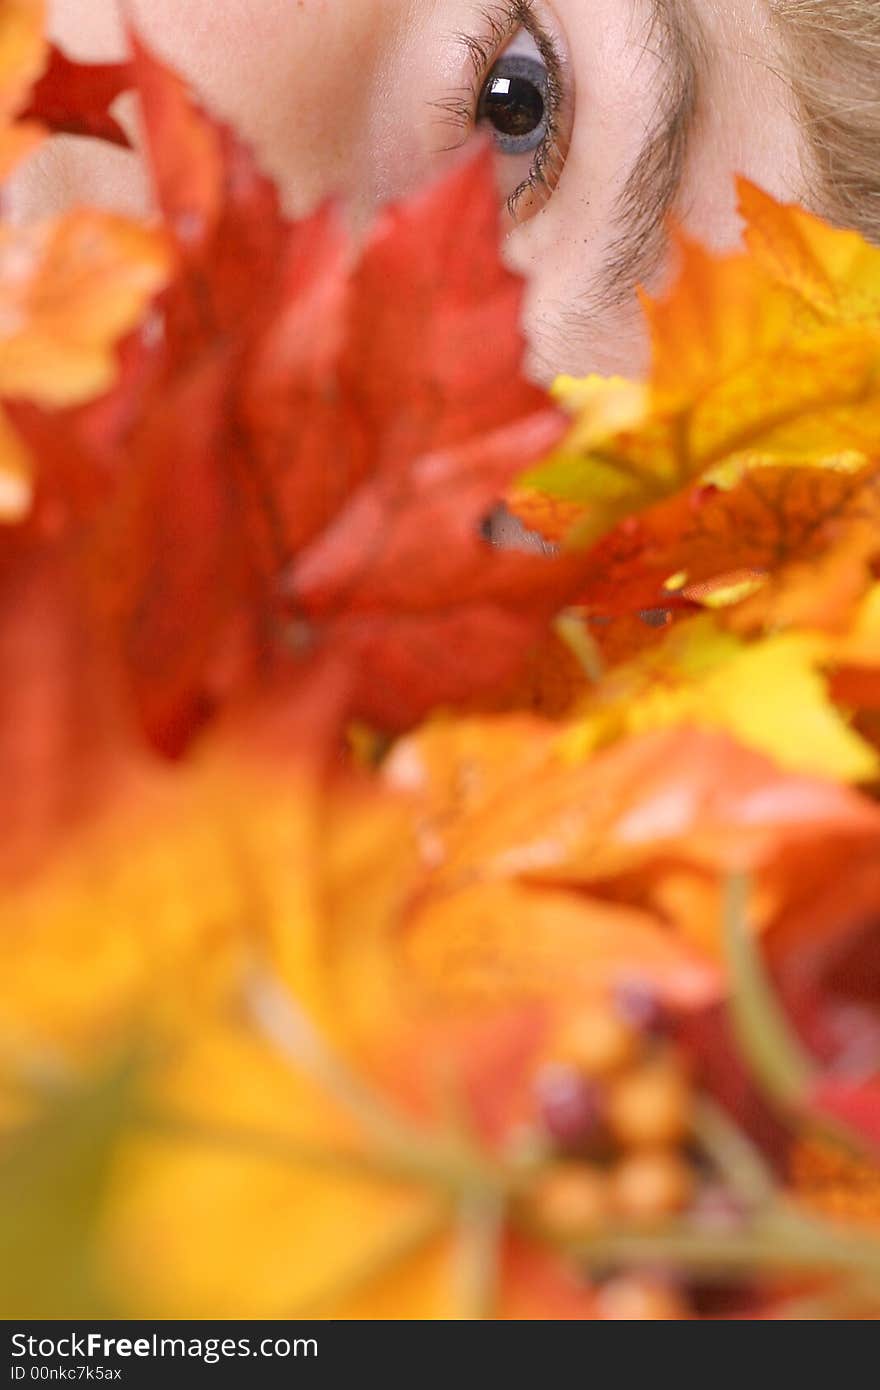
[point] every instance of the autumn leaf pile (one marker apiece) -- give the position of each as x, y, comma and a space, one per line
394, 924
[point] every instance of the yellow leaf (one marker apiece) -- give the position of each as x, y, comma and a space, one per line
242, 1132
249, 936
770, 695
145, 911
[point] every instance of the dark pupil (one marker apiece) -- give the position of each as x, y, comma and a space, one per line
514, 105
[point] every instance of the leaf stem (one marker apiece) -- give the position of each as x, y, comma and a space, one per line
448, 1161
572, 631
274, 1148
481, 1218
737, 1160
768, 1044
779, 1242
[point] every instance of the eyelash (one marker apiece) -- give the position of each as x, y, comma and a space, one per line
502, 23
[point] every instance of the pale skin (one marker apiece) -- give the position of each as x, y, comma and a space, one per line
366, 98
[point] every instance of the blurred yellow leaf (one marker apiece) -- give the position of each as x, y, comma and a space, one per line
53, 1183
771, 696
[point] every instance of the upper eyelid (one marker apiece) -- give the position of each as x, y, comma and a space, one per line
503, 21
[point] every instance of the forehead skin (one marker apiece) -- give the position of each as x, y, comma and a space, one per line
336, 97
333, 96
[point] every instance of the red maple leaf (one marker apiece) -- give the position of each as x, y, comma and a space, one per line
298, 461
74, 98
61, 720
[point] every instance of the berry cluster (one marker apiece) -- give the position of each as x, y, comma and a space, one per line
615, 1104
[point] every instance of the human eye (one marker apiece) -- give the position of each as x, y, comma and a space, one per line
520, 94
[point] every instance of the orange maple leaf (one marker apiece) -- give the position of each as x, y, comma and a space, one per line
752, 446
23, 51
772, 518
654, 823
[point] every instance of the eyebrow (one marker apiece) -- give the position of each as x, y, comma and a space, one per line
675, 36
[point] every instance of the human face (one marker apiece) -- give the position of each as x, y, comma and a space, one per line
605, 116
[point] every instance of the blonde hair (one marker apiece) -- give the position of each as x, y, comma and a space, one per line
832, 60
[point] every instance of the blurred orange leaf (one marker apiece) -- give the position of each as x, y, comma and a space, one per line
644, 824
69, 291
23, 51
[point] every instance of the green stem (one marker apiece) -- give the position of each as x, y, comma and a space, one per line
571, 629
767, 1042
379, 1166
448, 1161
736, 1159
781, 1242
481, 1218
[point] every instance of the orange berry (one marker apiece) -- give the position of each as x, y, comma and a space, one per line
648, 1186
650, 1108
571, 1199
597, 1041
640, 1300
